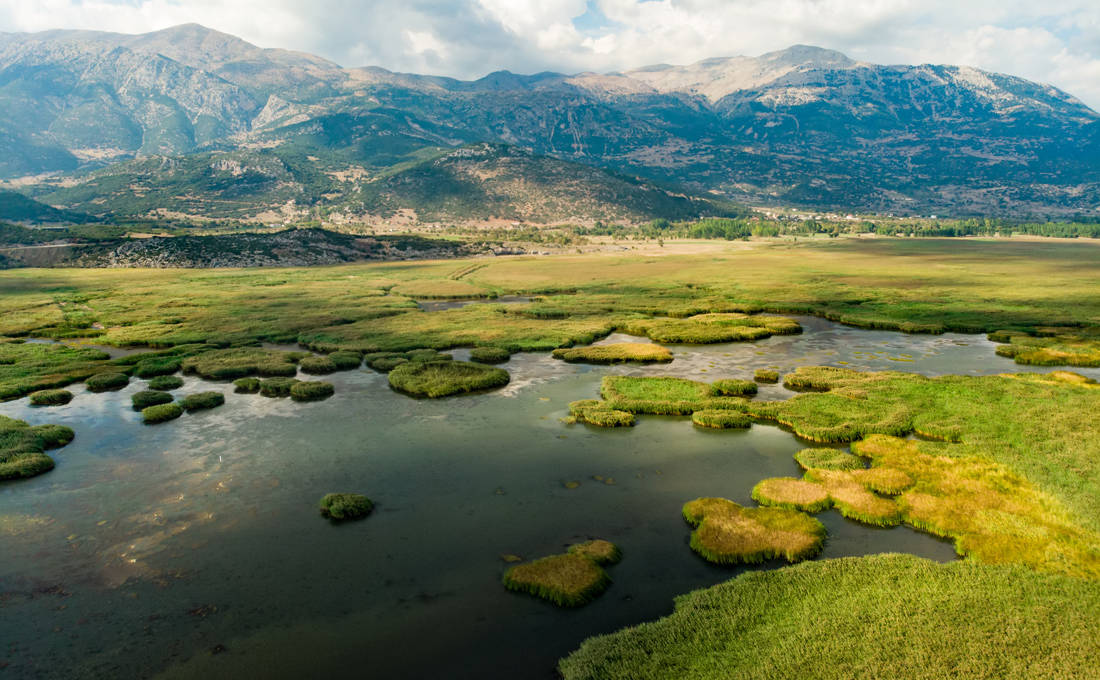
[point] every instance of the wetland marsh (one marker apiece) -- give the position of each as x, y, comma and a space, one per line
153, 546
194, 548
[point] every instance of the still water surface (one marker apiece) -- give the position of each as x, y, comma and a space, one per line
194, 548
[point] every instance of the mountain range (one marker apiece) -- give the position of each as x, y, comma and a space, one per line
190, 121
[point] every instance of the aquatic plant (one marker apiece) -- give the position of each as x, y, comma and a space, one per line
443, 378
146, 398
712, 328
246, 385
595, 412
385, 364
721, 419
161, 413
311, 391
597, 550
490, 355
22, 447
277, 387
346, 360
345, 506
961, 620
106, 382
828, 459
617, 353
200, 401
733, 388
795, 494
51, 397
166, 383
241, 362
728, 533
157, 366
567, 580
764, 375
317, 365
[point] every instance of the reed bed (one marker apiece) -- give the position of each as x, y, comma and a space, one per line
616, 353
146, 398
161, 413
728, 533
571, 579
51, 397
435, 379
201, 401
23, 447
166, 383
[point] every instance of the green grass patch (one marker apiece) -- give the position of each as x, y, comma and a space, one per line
721, 420
766, 376
441, 289
713, 328
161, 413
157, 366
277, 387
166, 383
733, 388
317, 365
311, 391
595, 412
240, 362
345, 506
146, 398
828, 459
728, 533
617, 353
346, 360
1052, 347
246, 385
201, 401
436, 379
387, 363
567, 580
107, 382
888, 616
23, 447
51, 397
663, 396
490, 355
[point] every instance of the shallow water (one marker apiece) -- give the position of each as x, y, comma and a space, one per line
194, 548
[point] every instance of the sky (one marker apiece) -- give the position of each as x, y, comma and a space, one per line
1050, 41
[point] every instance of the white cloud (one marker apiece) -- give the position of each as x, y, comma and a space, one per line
1055, 41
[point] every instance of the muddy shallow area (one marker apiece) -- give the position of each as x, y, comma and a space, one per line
194, 548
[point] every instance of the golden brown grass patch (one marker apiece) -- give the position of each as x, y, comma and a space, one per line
727, 533
617, 353
788, 492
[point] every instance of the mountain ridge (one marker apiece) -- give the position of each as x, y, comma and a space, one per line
804, 125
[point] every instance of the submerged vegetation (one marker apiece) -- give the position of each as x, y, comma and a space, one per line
23, 447
343, 506
889, 616
434, 379
727, 533
617, 353
571, 579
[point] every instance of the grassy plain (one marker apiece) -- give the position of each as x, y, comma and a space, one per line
886, 616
